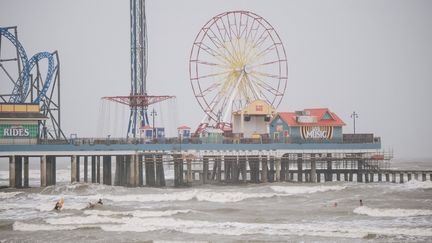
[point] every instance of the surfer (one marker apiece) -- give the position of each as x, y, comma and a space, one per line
361, 202
59, 204
92, 205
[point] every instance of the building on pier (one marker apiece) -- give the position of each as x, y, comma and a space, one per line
19, 123
309, 125
253, 120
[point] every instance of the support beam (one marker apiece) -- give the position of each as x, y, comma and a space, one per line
12, 175
189, 170
150, 170
313, 176
227, 168
78, 169
271, 176
329, 172
43, 182
26, 171
93, 169
107, 180
360, 164
118, 176
278, 169
73, 168
243, 167
299, 167
205, 170
264, 168
283, 169
98, 169
85, 169
178, 170
218, 162
51, 170
18, 171
160, 173
140, 171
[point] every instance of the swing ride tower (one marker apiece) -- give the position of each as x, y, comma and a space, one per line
138, 100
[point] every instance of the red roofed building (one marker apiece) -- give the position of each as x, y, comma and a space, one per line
307, 125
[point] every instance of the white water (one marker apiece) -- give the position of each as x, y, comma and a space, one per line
277, 211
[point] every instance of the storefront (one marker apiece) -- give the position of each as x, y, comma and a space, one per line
309, 125
19, 123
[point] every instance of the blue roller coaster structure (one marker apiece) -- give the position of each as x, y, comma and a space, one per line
29, 88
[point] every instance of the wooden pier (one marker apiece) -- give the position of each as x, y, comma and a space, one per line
133, 169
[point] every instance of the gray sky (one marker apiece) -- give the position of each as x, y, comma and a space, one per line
374, 57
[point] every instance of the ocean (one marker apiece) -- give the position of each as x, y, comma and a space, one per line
271, 212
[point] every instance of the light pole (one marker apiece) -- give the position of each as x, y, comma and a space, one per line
354, 116
153, 114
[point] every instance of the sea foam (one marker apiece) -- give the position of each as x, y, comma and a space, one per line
200, 227
5, 195
414, 184
137, 213
305, 189
391, 212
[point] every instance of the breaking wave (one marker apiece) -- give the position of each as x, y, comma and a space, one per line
137, 213
305, 190
391, 212
127, 224
414, 184
6, 195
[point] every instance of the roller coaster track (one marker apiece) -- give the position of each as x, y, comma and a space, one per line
22, 85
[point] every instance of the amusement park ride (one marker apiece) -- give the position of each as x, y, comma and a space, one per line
25, 78
236, 58
138, 100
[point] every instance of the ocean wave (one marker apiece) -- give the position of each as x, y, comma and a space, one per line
137, 213
238, 228
305, 189
200, 227
21, 226
82, 220
414, 184
200, 195
391, 212
221, 196
6, 195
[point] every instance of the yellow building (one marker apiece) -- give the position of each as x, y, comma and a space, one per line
253, 120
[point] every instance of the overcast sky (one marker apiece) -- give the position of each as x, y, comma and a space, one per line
374, 57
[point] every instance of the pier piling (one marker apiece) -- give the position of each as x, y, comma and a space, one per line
73, 168
26, 171
85, 169
106, 170
150, 170
160, 174
93, 169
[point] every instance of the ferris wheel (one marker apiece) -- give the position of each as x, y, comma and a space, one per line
236, 58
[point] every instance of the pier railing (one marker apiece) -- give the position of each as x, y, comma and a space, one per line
222, 140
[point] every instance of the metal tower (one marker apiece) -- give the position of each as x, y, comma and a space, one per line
138, 100
138, 114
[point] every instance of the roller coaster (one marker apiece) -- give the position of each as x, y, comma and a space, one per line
29, 86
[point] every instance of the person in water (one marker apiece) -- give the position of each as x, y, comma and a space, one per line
59, 204
92, 205
361, 202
